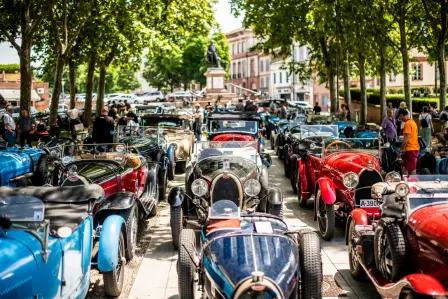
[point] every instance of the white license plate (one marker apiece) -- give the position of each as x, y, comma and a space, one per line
368, 203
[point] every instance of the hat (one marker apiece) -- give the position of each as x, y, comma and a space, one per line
121, 104
403, 105
197, 105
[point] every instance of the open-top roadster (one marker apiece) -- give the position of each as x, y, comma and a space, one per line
338, 172
47, 237
404, 252
249, 255
223, 171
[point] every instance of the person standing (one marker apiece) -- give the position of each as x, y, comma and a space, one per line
283, 111
27, 127
250, 107
410, 146
197, 125
128, 106
317, 110
400, 124
103, 127
389, 126
426, 127
239, 106
10, 126
342, 113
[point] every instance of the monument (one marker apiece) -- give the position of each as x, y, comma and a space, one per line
215, 73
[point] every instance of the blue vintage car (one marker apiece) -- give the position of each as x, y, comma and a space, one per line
19, 165
249, 256
47, 237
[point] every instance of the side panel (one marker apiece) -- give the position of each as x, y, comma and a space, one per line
109, 239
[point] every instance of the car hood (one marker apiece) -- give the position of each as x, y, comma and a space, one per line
431, 223
352, 161
232, 259
233, 137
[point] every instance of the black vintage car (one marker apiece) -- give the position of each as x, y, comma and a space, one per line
223, 171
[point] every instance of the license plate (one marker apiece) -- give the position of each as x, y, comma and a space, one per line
368, 203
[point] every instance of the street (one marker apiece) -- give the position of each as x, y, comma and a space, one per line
157, 275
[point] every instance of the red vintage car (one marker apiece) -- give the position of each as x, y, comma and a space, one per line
337, 172
405, 251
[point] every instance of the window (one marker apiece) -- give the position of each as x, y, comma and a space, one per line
301, 54
324, 102
244, 68
275, 78
243, 48
267, 82
287, 77
437, 74
262, 83
261, 66
239, 69
267, 65
252, 66
280, 80
238, 48
233, 49
418, 72
392, 77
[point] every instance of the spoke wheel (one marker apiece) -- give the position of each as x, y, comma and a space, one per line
325, 218
356, 269
113, 280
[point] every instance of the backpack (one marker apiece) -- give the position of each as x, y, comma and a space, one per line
424, 122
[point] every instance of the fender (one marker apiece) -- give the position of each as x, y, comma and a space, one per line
275, 196
117, 201
360, 217
109, 239
306, 186
176, 196
328, 192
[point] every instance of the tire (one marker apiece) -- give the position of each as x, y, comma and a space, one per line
325, 223
276, 210
272, 139
356, 270
310, 266
293, 173
113, 280
155, 209
390, 249
40, 175
186, 268
302, 202
171, 167
177, 225
286, 161
130, 217
181, 166
163, 184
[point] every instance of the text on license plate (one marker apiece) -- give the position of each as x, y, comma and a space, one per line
368, 203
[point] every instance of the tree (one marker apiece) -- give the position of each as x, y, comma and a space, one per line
23, 19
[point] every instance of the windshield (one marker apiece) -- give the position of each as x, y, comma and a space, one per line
312, 131
169, 122
105, 151
421, 200
233, 126
140, 131
366, 145
313, 119
224, 209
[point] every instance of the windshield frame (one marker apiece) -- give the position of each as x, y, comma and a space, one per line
233, 130
332, 128
325, 143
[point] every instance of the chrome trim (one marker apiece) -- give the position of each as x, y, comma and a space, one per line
249, 282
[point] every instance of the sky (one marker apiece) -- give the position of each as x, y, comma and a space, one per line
223, 16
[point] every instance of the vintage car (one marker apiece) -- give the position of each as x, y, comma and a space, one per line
233, 126
404, 251
177, 129
129, 182
339, 174
23, 166
223, 170
249, 255
151, 143
283, 131
49, 241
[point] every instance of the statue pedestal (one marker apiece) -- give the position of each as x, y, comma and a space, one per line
215, 80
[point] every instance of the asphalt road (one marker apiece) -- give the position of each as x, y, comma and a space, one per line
157, 275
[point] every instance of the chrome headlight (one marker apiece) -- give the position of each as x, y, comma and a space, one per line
393, 177
199, 187
378, 190
350, 180
53, 153
252, 187
402, 190
51, 167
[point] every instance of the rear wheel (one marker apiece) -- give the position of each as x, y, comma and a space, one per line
286, 161
186, 267
163, 184
272, 139
130, 216
41, 174
177, 224
310, 266
293, 173
325, 218
155, 209
356, 269
113, 280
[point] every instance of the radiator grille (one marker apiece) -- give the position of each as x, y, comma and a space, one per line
366, 180
226, 187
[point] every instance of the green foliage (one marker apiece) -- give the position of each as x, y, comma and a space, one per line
9, 68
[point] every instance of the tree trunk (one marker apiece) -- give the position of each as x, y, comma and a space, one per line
101, 88
383, 104
362, 81
26, 76
405, 59
442, 73
72, 75
347, 95
57, 88
332, 84
89, 90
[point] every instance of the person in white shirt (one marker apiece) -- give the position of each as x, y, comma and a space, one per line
10, 126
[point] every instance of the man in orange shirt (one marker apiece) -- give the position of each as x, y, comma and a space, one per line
410, 145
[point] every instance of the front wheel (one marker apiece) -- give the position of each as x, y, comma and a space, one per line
311, 275
356, 270
186, 266
177, 224
325, 218
130, 216
113, 280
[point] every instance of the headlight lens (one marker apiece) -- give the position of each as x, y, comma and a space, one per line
350, 180
252, 187
402, 190
378, 190
53, 153
392, 177
51, 167
199, 187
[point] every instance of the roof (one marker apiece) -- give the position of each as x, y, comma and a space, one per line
235, 115
13, 94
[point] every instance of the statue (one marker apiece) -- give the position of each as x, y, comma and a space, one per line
212, 58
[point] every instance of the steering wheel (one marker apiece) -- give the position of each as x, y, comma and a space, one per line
336, 144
